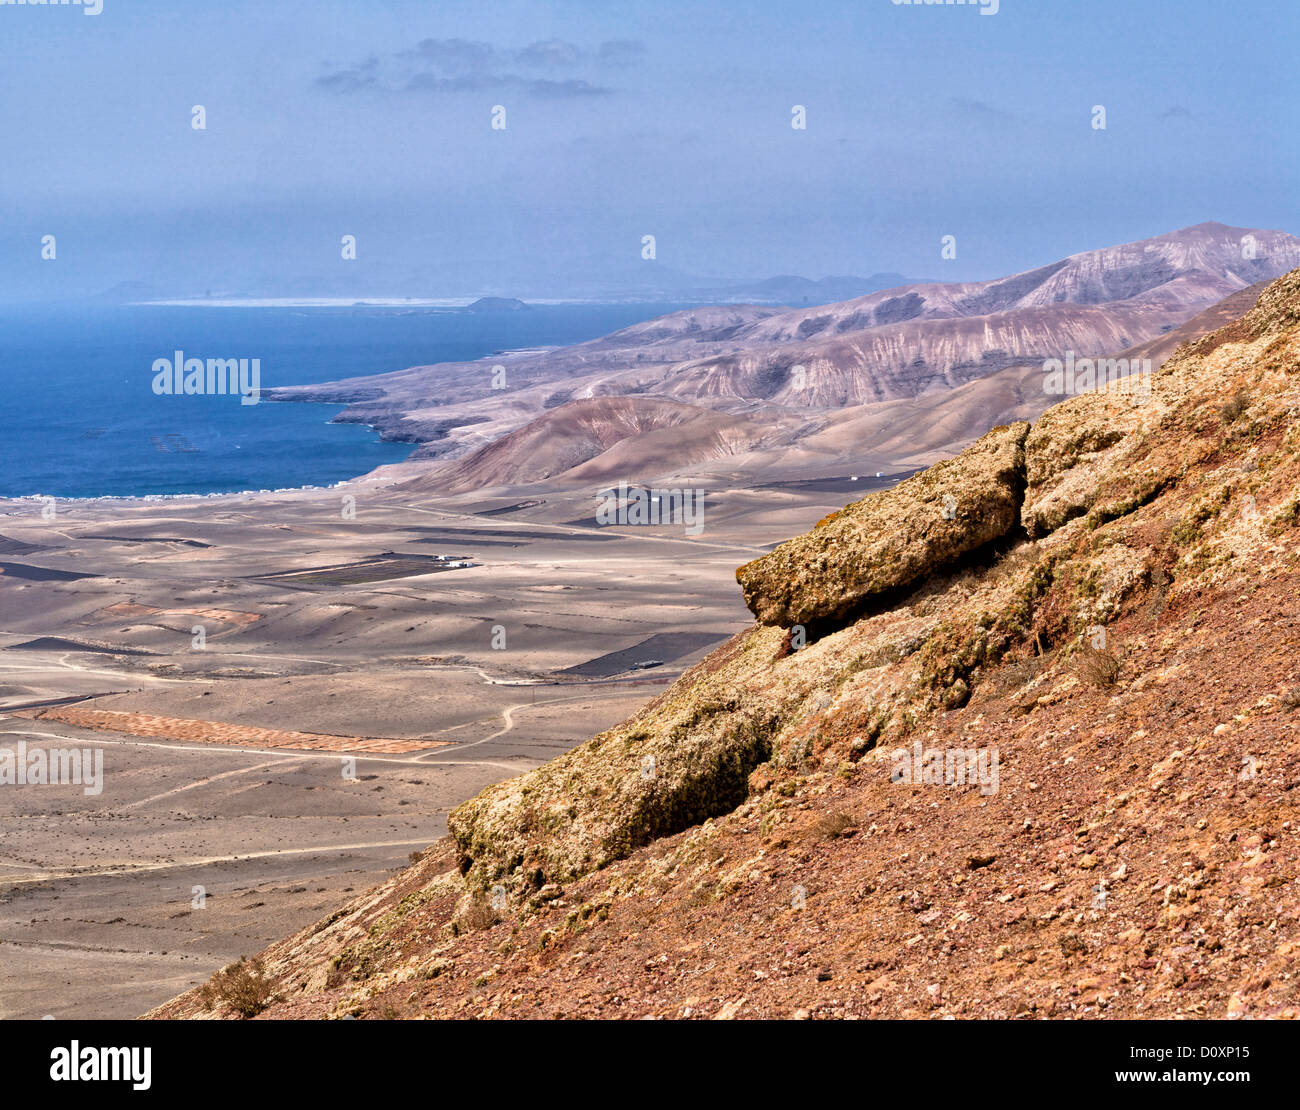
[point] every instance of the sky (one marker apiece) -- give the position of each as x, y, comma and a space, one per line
623, 119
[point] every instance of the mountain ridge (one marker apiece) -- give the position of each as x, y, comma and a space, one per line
887, 435
886, 346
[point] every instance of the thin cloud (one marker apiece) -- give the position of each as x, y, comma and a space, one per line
429, 83
456, 55
621, 52
552, 54
446, 66
572, 87
980, 109
357, 78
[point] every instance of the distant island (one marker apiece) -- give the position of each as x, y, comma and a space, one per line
496, 304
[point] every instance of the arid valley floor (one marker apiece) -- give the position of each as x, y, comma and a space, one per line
387, 663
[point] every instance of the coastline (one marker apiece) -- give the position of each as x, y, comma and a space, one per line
145, 498
370, 348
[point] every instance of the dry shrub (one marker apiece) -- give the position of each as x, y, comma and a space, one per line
830, 826
1097, 667
1159, 593
1072, 945
478, 915
702, 895
1011, 676
1234, 406
243, 986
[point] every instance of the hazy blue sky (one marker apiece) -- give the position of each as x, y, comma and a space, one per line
372, 118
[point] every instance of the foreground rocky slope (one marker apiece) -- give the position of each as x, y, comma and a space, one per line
1112, 640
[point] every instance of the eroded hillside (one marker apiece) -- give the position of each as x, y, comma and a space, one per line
806, 366
1100, 609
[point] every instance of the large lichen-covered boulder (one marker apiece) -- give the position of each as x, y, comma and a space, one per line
685, 758
892, 539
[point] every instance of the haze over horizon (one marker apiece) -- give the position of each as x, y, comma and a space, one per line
659, 120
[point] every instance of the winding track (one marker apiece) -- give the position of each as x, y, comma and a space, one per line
206, 861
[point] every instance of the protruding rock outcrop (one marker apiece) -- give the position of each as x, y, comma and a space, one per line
690, 761
893, 539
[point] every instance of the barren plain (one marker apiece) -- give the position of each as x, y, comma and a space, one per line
291, 690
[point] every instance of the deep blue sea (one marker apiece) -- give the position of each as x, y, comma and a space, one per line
82, 420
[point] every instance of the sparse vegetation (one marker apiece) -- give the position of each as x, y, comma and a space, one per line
832, 826
243, 986
1071, 945
1232, 409
1011, 676
1188, 529
478, 915
1097, 667
1286, 517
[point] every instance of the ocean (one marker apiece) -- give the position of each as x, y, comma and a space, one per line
82, 419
